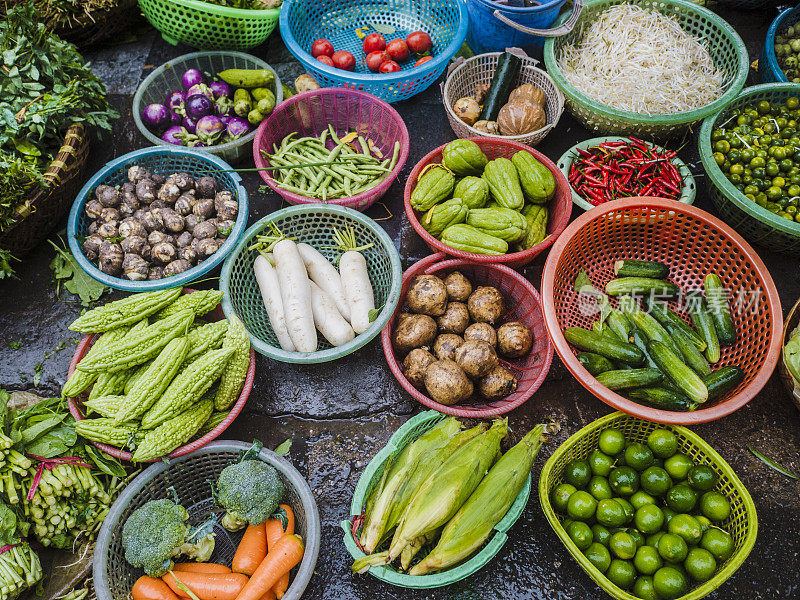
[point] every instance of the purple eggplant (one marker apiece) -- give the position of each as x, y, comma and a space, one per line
156, 117
176, 100
225, 119
189, 124
175, 118
220, 88
192, 77
198, 106
238, 127
202, 89
174, 135
209, 129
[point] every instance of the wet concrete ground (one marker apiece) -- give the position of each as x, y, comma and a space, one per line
340, 414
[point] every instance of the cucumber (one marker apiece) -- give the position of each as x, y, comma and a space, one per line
687, 380
591, 341
652, 329
594, 363
691, 355
723, 380
247, 78
640, 341
640, 268
505, 75
619, 324
663, 398
665, 315
704, 324
642, 285
624, 379
719, 309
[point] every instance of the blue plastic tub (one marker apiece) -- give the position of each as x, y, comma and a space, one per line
769, 71
488, 33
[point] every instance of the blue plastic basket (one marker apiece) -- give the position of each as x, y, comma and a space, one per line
769, 71
488, 33
164, 160
302, 22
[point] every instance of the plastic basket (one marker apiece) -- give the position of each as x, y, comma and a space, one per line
769, 71
167, 78
208, 26
693, 243
189, 476
410, 431
755, 223
523, 304
792, 386
496, 26
724, 44
313, 224
76, 407
310, 113
688, 190
164, 160
742, 523
446, 21
465, 76
559, 207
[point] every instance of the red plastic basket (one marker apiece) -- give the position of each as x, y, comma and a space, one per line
693, 243
310, 113
526, 307
560, 206
76, 404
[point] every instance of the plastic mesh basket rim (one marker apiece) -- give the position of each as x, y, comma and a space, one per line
673, 119
77, 218
743, 394
410, 430
227, 11
578, 446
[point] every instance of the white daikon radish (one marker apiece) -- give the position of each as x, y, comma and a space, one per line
327, 319
296, 295
267, 279
325, 275
357, 289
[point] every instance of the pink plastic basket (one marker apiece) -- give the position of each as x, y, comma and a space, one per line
524, 305
310, 113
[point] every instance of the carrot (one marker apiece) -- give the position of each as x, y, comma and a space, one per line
270, 595
251, 551
206, 586
193, 567
150, 588
274, 529
285, 554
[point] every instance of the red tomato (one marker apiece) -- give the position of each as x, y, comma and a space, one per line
324, 58
375, 60
389, 67
342, 59
321, 48
423, 60
374, 42
398, 50
419, 42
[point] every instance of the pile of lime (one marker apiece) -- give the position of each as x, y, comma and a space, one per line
645, 515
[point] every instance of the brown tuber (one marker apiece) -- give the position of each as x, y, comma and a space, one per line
427, 295
415, 365
514, 339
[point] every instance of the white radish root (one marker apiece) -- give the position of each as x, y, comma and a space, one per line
325, 275
357, 289
267, 279
327, 319
296, 296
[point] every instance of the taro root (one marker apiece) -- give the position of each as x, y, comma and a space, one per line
93, 209
194, 243
134, 244
496, 384
427, 295
111, 257
514, 339
135, 268
158, 179
204, 208
108, 230
206, 247
127, 188
146, 191
91, 247
184, 240
109, 214
447, 383
147, 252
156, 237
485, 305
190, 221
131, 226
108, 196
126, 209
481, 331
204, 230
156, 273
455, 318
415, 365
476, 357
187, 254
137, 173
92, 229
458, 286
175, 267
206, 187
183, 180
140, 213
220, 241
163, 252
226, 205
224, 228
172, 221
152, 221
159, 204
184, 204
169, 192
446, 345
413, 331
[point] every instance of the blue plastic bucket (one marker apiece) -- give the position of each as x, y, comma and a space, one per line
487, 33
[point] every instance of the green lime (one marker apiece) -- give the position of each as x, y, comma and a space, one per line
577, 473
599, 556
652, 540
672, 548
715, 506
621, 573
687, 527
700, 564
638, 456
656, 481
704, 521
678, 466
702, 478
622, 545
649, 519
601, 534
662, 442
647, 560
681, 498
641, 498
627, 507
581, 506
643, 588
624, 481
668, 514
718, 542
600, 463
637, 536
669, 583
610, 513
560, 496
580, 534
599, 488
611, 442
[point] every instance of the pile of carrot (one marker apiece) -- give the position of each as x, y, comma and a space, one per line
260, 569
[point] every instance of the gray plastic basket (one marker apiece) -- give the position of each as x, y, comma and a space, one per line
190, 476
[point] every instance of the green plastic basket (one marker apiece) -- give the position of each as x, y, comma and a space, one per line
209, 26
410, 431
724, 44
564, 163
755, 223
742, 523
313, 224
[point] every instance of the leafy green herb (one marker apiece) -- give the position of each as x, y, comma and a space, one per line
15, 345
771, 463
104, 462
284, 448
66, 270
381, 28
6, 270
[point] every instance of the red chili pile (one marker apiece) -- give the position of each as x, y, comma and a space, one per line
615, 170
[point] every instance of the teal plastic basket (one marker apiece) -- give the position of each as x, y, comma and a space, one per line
769, 70
313, 224
410, 431
756, 224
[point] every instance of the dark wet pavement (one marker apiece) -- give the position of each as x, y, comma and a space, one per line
340, 414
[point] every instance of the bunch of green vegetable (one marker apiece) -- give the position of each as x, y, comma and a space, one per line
59, 14
20, 568
494, 207
652, 355
248, 4
787, 51
157, 375
444, 493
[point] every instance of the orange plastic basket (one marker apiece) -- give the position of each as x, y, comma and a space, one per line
693, 243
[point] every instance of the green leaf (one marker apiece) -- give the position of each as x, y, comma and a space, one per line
105, 463
8, 526
582, 281
772, 464
373, 314
284, 448
381, 28
9, 56
31, 433
67, 270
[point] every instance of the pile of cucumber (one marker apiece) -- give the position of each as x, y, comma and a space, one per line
647, 352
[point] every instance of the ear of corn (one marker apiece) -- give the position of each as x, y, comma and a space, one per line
410, 551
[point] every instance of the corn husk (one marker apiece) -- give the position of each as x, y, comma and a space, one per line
475, 520
410, 551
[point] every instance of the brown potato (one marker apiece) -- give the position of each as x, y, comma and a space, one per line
496, 384
455, 318
415, 365
447, 383
427, 295
458, 286
414, 331
476, 357
485, 305
514, 339
446, 344
481, 331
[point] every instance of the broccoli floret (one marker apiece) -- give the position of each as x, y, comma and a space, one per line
157, 532
250, 491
